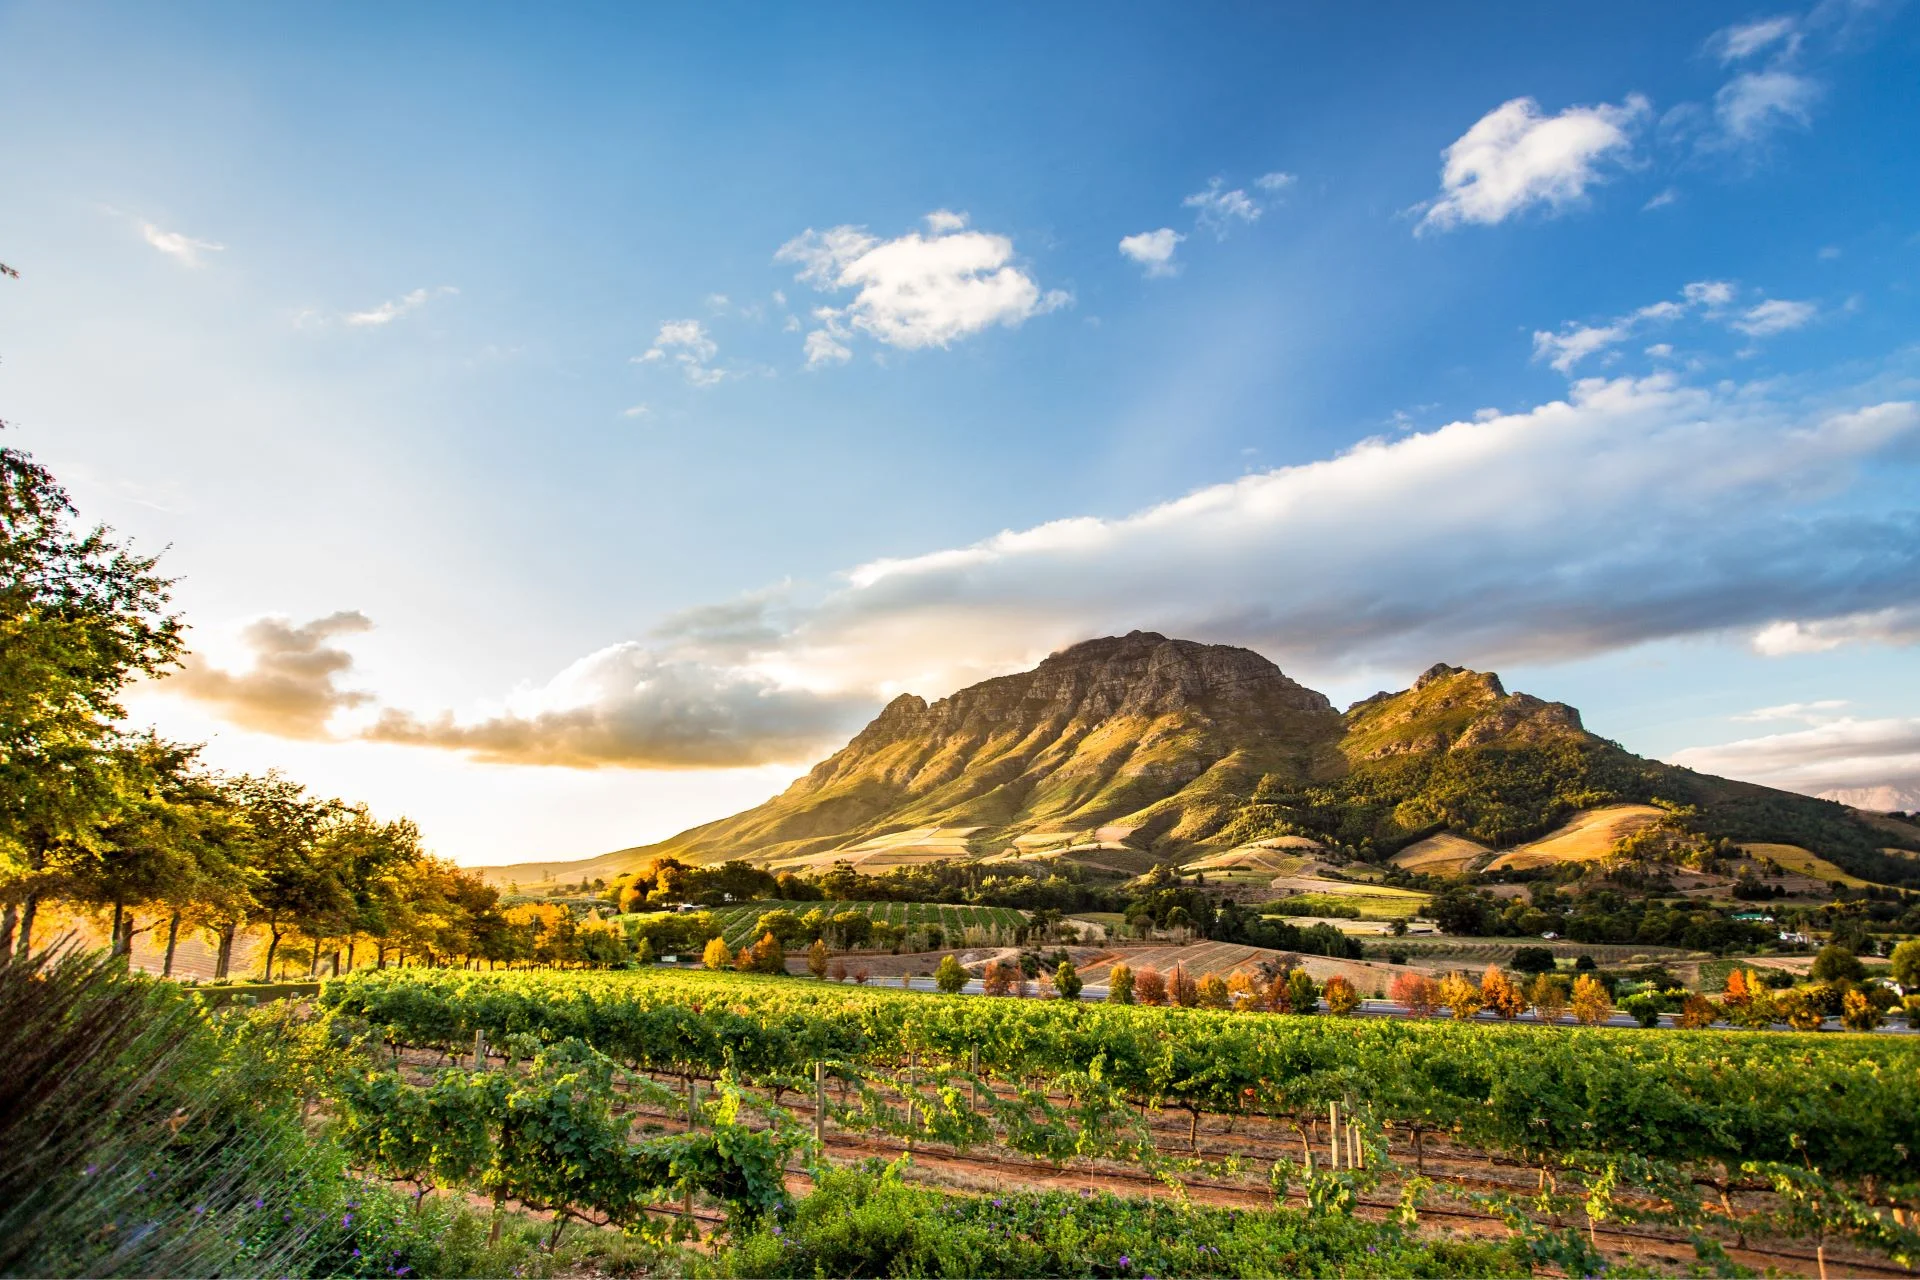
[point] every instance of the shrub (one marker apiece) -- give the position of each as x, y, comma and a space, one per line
998, 978
716, 955
861, 975
1837, 964
1302, 995
1243, 991
838, 970
1149, 987
1697, 1013
950, 975
1120, 984
1342, 999
1858, 1013
1066, 980
768, 956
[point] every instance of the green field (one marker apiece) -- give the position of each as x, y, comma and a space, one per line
737, 922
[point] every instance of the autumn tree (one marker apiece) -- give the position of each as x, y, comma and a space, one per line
1419, 993
1066, 980
1460, 995
716, 955
1590, 1003
950, 976
1302, 995
1120, 984
1210, 992
1149, 987
1501, 994
1548, 996
1341, 997
817, 959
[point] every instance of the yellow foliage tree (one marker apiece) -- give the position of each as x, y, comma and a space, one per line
1697, 1013
1548, 997
1460, 995
1340, 995
1211, 992
716, 956
1590, 1003
1502, 994
1243, 991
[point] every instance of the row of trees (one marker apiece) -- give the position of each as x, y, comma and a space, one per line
134, 828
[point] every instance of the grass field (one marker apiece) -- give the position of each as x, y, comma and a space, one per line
737, 922
1586, 837
1373, 902
1804, 862
1441, 855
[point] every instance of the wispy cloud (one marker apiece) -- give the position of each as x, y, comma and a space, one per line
182, 248
1775, 315
387, 312
688, 346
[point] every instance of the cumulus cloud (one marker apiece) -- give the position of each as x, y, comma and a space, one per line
1874, 763
1153, 250
1756, 104
182, 248
629, 707
1515, 158
1775, 315
688, 347
291, 688
1219, 207
392, 309
1574, 342
916, 290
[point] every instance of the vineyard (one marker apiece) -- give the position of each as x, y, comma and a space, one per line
1775, 1147
736, 923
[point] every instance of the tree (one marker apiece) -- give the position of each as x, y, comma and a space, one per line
1858, 1013
1419, 993
1244, 990
782, 924
1531, 960
998, 979
1461, 996
768, 955
1149, 987
1120, 984
1501, 994
1906, 964
80, 615
1182, 989
950, 976
1697, 1013
1302, 995
1210, 992
716, 955
1342, 999
296, 889
1590, 1003
1548, 996
817, 959
1066, 980
1837, 964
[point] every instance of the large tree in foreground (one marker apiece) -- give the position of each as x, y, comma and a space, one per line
80, 616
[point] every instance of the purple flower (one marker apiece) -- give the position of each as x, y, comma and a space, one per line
1125, 1262
356, 1253
346, 1219
90, 1170
777, 1231
999, 1204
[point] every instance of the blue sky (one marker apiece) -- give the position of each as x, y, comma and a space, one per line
567, 425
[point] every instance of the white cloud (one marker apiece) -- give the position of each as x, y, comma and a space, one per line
1809, 711
1574, 342
1745, 39
1775, 315
1756, 103
941, 221
822, 348
1153, 250
917, 290
1514, 158
1218, 208
688, 346
182, 248
1631, 511
387, 312
1708, 293
1276, 181
635, 411
1660, 350
1897, 625
1661, 201
1870, 762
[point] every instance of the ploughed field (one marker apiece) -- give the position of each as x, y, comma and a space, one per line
1778, 1149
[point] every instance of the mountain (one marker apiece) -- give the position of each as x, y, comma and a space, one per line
1149, 748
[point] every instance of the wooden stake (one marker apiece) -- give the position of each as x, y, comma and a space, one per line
820, 1104
479, 1051
1333, 1135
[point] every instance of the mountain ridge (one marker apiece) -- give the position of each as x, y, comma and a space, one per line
1176, 747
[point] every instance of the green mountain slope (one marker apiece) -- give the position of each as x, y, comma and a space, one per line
1177, 747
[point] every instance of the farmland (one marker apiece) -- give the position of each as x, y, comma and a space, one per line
1008, 1092
736, 923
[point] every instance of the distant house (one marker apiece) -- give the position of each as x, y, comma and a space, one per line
1797, 939
1753, 917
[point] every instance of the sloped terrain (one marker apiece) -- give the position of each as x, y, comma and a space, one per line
1119, 753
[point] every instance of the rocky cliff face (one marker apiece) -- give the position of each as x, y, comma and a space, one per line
1450, 709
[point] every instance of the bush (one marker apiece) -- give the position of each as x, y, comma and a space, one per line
1532, 960
716, 955
1837, 964
1341, 997
1066, 980
950, 975
1120, 984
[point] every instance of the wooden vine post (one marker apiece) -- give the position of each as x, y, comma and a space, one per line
820, 1104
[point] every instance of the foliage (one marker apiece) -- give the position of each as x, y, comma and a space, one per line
1120, 984
949, 976
862, 1222
1837, 964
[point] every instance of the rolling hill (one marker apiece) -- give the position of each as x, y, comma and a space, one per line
1137, 747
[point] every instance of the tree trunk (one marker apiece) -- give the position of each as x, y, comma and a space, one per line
273, 945
9, 921
336, 962
173, 936
113, 947
28, 910
313, 961
224, 959
351, 944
